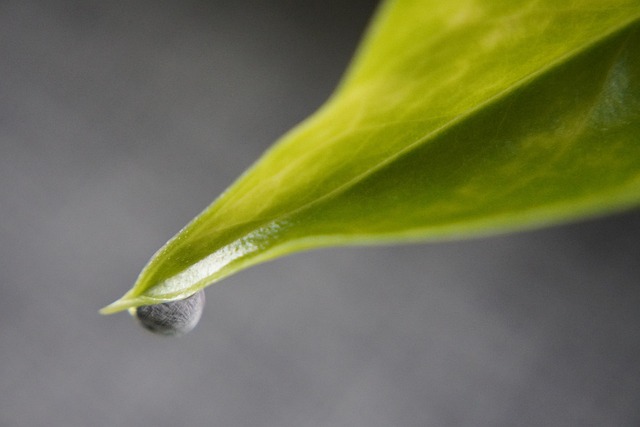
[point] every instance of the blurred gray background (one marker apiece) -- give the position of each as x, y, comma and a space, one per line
120, 121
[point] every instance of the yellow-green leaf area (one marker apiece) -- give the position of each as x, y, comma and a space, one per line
455, 119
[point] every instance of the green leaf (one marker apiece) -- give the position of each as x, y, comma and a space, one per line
456, 118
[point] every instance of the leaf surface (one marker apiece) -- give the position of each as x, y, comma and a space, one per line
455, 119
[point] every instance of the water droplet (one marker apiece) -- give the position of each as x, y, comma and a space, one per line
172, 318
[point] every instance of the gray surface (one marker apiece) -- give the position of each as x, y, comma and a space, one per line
119, 122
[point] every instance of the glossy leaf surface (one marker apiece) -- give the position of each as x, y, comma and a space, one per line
456, 118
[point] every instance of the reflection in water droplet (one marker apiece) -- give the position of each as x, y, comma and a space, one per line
172, 318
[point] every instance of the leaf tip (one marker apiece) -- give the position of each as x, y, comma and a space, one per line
117, 306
